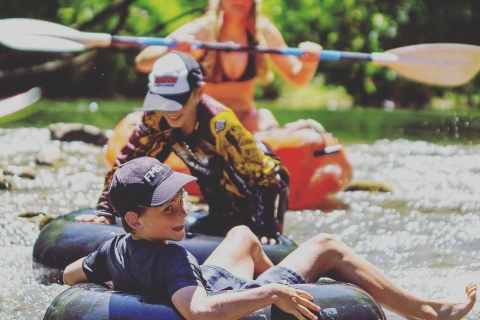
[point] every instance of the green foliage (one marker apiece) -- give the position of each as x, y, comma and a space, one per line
349, 25
376, 26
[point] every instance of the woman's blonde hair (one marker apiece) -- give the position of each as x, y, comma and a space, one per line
210, 62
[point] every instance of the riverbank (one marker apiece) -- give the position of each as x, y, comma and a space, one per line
352, 125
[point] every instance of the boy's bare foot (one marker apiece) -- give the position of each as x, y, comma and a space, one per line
456, 310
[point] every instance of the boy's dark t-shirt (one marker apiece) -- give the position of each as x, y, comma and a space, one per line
143, 267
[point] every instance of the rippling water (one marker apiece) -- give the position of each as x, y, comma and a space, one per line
424, 233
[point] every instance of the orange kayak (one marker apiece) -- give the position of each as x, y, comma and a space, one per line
316, 160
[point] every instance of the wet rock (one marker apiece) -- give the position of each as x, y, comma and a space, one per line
28, 175
20, 172
371, 186
32, 217
49, 154
77, 132
45, 220
31, 214
5, 185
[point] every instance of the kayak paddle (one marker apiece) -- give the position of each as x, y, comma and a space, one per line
19, 102
442, 64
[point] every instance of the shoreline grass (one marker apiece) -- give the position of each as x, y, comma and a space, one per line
352, 125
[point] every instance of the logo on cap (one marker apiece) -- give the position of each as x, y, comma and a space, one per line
165, 81
150, 175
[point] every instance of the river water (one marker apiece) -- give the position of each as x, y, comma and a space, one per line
424, 233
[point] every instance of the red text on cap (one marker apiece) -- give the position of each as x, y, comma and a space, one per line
166, 80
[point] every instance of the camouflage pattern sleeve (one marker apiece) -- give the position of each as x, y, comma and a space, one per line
147, 140
239, 148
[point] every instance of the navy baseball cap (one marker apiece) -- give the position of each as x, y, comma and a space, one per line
173, 77
145, 182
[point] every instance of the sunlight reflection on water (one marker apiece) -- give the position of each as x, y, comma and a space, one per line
424, 233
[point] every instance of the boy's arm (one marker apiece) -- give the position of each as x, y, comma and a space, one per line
193, 303
74, 273
238, 147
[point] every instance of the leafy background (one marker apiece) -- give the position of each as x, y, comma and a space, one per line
348, 25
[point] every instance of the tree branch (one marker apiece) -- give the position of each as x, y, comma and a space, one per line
110, 10
159, 28
75, 62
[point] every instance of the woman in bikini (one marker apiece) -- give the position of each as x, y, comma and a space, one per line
230, 76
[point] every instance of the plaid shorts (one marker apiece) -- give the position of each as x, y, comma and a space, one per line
219, 279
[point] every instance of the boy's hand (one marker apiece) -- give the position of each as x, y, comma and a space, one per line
296, 302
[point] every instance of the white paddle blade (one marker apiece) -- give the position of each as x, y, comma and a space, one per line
38, 35
40, 43
19, 101
441, 64
32, 26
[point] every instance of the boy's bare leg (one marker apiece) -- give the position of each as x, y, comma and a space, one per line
240, 253
323, 255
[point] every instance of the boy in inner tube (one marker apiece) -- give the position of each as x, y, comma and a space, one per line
241, 179
149, 198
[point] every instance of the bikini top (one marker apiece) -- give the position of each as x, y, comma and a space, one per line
250, 69
249, 73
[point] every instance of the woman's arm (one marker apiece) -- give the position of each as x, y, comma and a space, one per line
74, 273
193, 302
146, 58
183, 36
296, 70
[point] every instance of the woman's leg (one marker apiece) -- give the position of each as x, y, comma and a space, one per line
323, 255
240, 253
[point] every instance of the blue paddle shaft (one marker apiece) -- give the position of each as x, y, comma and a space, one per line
326, 55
